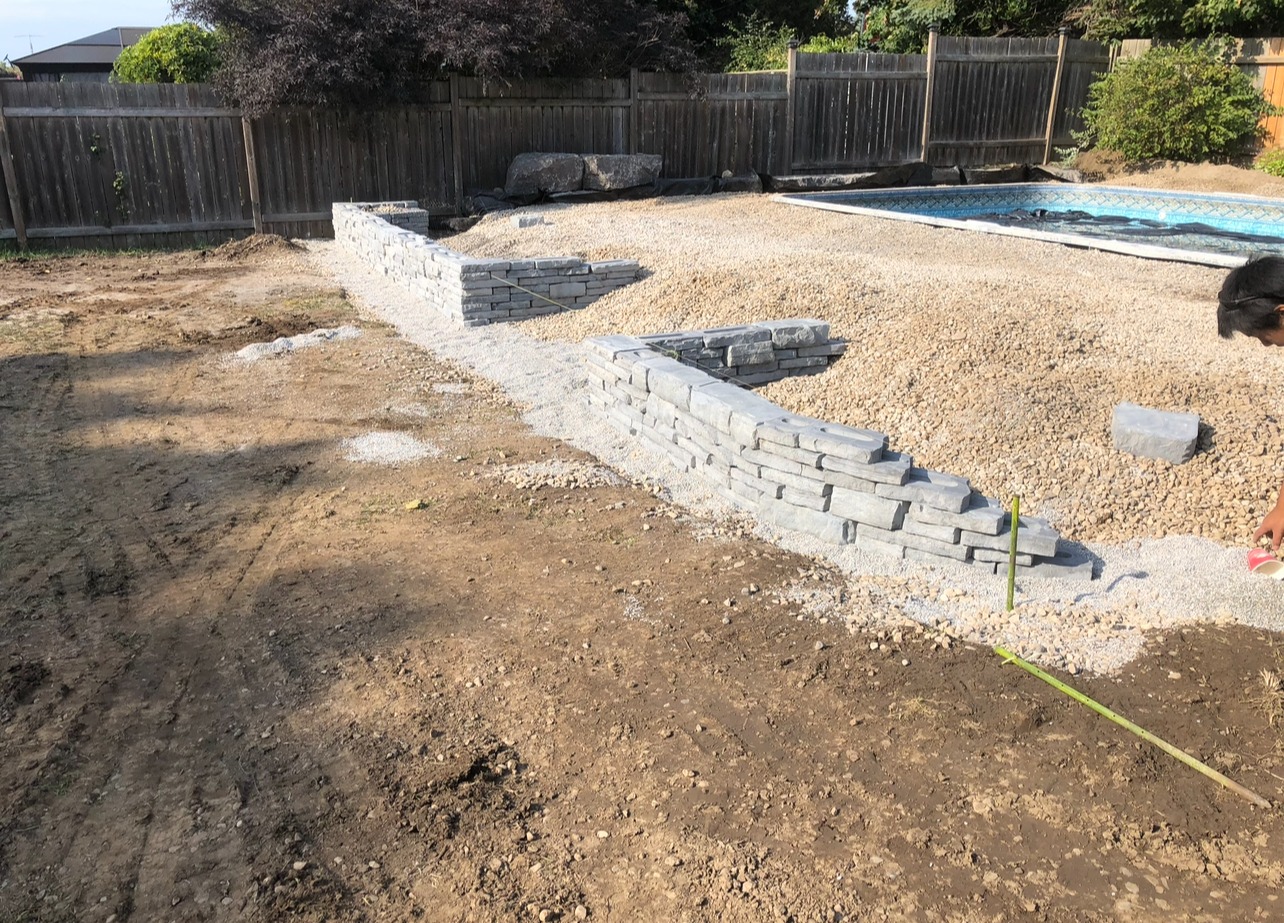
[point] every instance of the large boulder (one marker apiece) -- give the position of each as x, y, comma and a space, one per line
609, 172
1007, 173
544, 173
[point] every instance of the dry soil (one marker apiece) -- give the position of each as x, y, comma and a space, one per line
243, 677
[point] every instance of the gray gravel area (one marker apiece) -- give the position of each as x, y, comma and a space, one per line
988, 357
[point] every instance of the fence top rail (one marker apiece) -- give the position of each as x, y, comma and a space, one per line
136, 112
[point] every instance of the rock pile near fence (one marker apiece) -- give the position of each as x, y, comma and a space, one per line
474, 291
682, 393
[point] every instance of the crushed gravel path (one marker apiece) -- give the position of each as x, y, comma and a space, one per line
995, 358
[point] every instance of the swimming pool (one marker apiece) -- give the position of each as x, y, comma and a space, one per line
1215, 230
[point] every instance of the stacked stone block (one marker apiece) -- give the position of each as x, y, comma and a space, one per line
753, 354
474, 291
842, 484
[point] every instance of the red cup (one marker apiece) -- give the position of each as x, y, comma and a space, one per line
1262, 561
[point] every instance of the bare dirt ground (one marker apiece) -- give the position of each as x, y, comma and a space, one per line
242, 678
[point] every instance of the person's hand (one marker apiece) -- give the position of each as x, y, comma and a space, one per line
1273, 524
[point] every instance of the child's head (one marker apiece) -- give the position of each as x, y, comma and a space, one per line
1251, 300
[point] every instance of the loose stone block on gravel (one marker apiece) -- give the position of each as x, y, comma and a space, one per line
1152, 433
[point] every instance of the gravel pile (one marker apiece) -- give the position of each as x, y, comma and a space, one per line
387, 448
995, 358
282, 345
557, 473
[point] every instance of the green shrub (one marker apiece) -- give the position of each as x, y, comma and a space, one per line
1271, 162
759, 45
181, 53
1183, 102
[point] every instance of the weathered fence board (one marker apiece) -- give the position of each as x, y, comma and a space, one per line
706, 125
500, 121
856, 111
991, 100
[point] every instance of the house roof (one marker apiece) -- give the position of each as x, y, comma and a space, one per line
101, 48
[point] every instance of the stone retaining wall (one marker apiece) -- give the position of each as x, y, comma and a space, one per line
474, 291
839, 483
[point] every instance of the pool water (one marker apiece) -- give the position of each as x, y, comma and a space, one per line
1219, 230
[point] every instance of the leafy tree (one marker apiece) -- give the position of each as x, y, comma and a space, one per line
713, 24
1107, 20
7, 69
179, 53
1182, 102
900, 26
361, 52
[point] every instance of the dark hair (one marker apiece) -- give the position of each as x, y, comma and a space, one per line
1251, 296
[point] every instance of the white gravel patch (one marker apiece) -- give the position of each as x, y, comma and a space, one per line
283, 345
387, 448
1156, 584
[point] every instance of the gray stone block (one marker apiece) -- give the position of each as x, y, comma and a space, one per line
807, 459
1153, 433
733, 336
810, 480
981, 515
828, 528
791, 334
868, 543
1035, 537
863, 446
1068, 564
867, 508
712, 405
675, 381
754, 353
921, 542
830, 349
566, 290
611, 346
1001, 557
838, 479
748, 412
891, 468
783, 430
931, 488
805, 499
771, 460
947, 534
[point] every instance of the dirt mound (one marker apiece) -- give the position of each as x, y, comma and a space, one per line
1110, 167
256, 245
252, 328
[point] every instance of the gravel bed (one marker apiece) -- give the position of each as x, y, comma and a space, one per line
994, 358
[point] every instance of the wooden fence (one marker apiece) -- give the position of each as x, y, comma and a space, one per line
113, 165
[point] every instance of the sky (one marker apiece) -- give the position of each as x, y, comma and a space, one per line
39, 24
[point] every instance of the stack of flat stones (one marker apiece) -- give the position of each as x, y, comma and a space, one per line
841, 484
474, 291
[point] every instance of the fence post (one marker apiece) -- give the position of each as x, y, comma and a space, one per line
252, 166
791, 108
633, 110
457, 143
11, 181
1056, 93
932, 36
